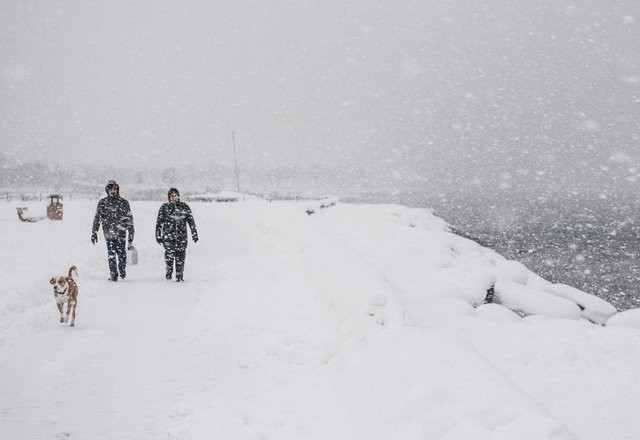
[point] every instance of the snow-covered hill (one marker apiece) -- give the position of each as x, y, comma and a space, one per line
354, 322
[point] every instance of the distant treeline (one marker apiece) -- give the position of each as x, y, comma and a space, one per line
142, 182
35, 177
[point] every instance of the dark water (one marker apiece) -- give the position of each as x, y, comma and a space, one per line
591, 244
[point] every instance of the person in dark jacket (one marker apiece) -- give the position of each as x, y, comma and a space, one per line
171, 233
114, 214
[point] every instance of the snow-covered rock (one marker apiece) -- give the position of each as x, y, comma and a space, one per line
628, 318
513, 271
593, 308
474, 285
530, 301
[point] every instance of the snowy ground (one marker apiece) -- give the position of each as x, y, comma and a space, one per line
357, 322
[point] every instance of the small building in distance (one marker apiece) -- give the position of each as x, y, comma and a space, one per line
222, 197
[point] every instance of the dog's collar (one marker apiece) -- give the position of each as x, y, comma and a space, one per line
66, 289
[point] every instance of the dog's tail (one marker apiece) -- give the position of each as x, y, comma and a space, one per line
71, 270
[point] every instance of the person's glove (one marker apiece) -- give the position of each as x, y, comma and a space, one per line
195, 238
94, 238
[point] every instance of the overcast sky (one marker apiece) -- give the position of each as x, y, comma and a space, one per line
497, 92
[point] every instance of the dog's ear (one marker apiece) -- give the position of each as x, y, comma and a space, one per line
52, 280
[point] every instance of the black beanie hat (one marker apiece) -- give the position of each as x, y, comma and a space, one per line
173, 191
111, 184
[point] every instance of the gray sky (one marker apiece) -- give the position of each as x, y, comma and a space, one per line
495, 93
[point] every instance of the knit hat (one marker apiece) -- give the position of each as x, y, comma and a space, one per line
111, 184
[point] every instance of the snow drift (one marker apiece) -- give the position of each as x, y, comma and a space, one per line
357, 321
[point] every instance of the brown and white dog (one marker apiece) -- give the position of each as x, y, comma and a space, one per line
65, 291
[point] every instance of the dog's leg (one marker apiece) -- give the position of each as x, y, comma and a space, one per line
66, 318
73, 314
60, 308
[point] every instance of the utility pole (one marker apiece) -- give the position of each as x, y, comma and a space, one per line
235, 160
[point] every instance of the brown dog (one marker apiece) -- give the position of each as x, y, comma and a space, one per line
65, 291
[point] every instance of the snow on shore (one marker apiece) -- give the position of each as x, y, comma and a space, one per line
354, 322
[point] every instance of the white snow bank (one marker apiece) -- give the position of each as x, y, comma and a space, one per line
497, 312
513, 271
594, 309
532, 301
355, 322
628, 318
417, 394
475, 284
424, 314
314, 206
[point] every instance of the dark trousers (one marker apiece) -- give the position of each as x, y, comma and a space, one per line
177, 256
117, 253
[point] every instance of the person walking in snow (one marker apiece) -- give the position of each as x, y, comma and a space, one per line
171, 233
114, 214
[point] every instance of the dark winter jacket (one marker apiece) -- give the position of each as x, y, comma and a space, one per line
114, 213
171, 227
